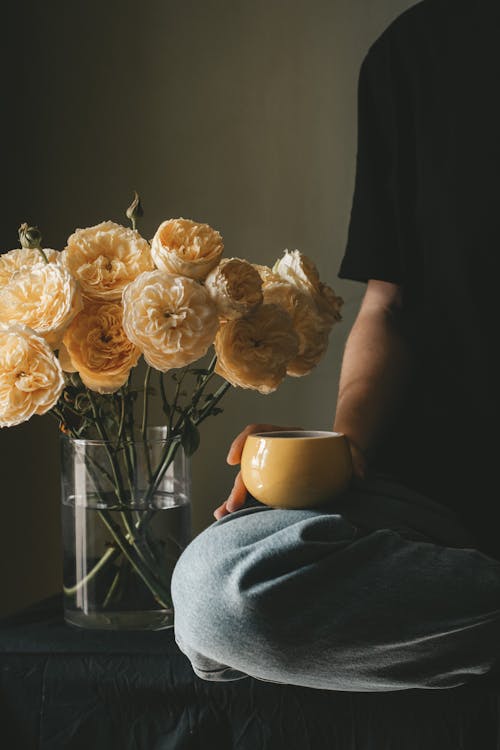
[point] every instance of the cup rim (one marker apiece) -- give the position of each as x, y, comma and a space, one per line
304, 434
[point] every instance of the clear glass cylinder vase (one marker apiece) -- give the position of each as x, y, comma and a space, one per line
126, 517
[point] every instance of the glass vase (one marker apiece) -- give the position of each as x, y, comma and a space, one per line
126, 517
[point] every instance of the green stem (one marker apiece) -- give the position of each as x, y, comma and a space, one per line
125, 447
174, 402
122, 417
199, 391
145, 402
112, 588
164, 399
218, 395
173, 445
130, 472
102, 434
207, 409
195, 398
213, 362
45, 259
140, 568
202, 385
127, 521
114, 551
129, 426
144, 426
110, 555
165, 461
104, 473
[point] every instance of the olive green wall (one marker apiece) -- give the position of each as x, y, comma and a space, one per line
239, 113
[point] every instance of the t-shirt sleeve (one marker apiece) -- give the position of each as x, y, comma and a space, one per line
372, 246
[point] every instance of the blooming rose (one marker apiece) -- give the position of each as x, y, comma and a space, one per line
235, 286
31, 379
172, 319
310, 327
95, 345
44, 297
105, 258
21, 258
300, 271
254, 351
181, 246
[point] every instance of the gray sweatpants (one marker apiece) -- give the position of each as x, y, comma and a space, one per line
381, 590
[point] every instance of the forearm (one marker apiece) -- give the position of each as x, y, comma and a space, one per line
374, 376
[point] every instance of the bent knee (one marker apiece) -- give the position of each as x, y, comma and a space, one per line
239, 581
217, 599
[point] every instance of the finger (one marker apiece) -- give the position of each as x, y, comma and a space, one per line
237, 496
221, 511
235, 500
236, 448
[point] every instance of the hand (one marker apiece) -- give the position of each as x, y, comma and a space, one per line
238, 494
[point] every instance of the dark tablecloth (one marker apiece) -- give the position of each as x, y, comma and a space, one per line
66, 688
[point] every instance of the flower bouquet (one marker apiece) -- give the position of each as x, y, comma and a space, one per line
74, 325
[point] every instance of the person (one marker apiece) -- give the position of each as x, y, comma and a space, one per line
395, 585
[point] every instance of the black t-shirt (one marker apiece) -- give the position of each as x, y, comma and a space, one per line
426, 214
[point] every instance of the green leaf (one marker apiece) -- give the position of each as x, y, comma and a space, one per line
190, 439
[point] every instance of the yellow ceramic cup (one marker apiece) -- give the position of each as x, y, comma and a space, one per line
296, 468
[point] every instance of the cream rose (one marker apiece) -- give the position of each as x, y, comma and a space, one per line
105, 258
236, 288
22, 258
266, 274
254, 351
300, 271
172, 319
181, 246
95, 346
44, 297
310, 327
31, 378
329, 304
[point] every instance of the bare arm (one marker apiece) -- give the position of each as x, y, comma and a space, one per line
375, 370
